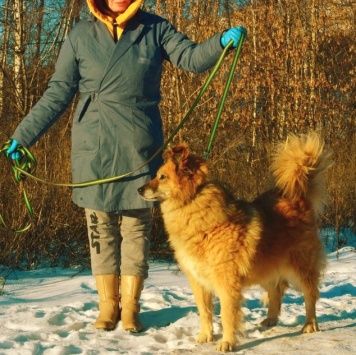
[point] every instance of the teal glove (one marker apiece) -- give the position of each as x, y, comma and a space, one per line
233, 34
12, 152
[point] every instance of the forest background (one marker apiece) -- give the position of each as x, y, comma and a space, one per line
296, 72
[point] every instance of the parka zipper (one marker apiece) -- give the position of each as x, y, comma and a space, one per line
115, 30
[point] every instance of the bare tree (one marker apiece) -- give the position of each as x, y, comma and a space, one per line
4, 52
19, 10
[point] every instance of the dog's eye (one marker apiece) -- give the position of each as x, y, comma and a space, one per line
161, 177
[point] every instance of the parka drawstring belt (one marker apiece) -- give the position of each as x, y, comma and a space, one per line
26, 166
94, 96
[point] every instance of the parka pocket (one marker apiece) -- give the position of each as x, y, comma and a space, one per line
86, 133
147, 129
81, 108
85, 129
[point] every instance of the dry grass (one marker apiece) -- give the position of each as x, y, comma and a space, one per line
288, 79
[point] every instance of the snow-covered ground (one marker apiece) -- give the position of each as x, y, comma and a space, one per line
51, 311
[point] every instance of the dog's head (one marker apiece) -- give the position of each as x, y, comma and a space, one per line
178, 178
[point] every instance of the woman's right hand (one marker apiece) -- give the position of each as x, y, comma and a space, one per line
12, 151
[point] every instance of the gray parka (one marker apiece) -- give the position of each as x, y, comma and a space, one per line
117, 125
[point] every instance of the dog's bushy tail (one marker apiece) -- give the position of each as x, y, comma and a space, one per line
299, 167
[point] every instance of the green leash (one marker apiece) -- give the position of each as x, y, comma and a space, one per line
223, 99
26, 166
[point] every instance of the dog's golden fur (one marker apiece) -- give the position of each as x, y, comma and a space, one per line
224, 245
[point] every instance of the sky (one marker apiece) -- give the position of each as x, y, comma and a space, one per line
51, 311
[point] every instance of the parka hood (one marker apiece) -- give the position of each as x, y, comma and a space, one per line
121, 20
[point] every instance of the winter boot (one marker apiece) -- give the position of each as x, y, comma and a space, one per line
109, 301
131, 287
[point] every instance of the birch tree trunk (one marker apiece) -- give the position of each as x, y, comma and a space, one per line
312, 60
4, 54
19, 10
256, 84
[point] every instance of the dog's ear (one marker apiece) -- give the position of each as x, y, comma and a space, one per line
180, 155
186, 164
167, 154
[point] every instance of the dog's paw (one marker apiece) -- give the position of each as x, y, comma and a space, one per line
225, 346
311, 327
205, 338
269, 322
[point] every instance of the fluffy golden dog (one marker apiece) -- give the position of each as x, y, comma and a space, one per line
223, 244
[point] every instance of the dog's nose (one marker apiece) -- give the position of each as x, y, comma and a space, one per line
140, 190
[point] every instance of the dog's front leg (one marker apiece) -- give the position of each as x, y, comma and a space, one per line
204, 301
231, 317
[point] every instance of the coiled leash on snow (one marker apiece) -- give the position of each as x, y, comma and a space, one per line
26, 165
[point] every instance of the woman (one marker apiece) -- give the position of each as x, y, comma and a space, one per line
115, 59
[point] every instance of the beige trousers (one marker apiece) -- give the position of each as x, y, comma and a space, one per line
119, 242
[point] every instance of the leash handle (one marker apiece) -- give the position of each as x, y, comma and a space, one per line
27, 163
223, 99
